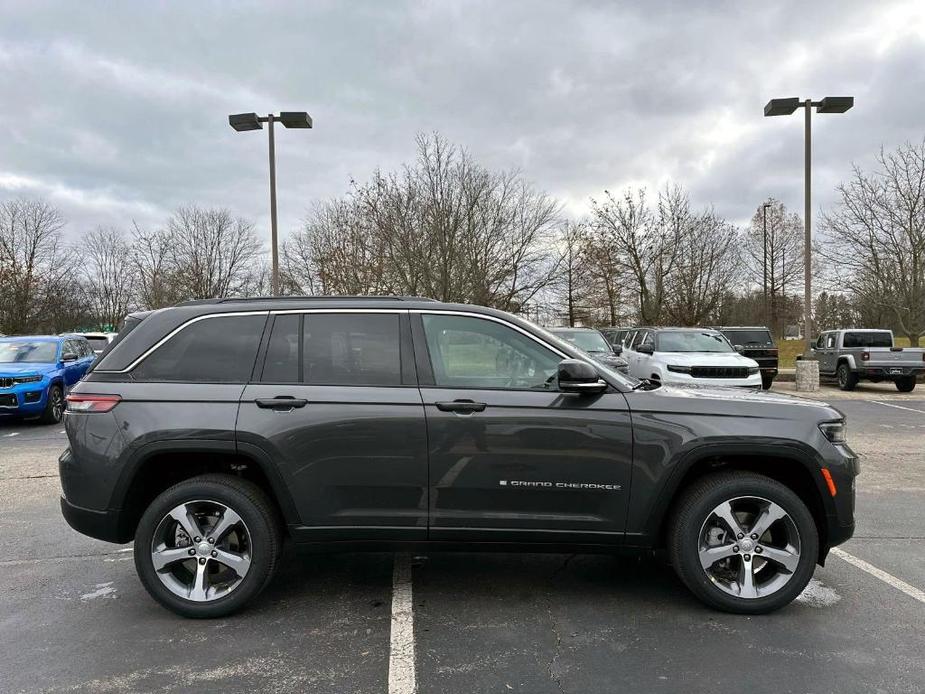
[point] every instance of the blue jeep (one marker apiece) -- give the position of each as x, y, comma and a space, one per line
36, 373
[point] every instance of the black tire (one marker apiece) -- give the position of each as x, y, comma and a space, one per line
906, 384
54, 406
260, 518
847, 379
697, 504
766, 382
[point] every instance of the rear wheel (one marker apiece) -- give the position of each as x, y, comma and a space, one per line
847, 379
906, 384
54, 406
742, 542
207, 545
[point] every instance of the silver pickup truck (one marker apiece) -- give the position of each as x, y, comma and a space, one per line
853, 355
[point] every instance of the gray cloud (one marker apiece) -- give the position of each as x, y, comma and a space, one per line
117, 111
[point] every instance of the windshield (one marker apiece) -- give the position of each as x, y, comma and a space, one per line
749, 338
28, 352
872, 339
588, 340
691, 341
557, 341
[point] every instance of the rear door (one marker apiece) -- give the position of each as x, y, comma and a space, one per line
334, 405
510, 457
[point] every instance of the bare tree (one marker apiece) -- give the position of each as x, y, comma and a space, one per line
150, 255
706, 265
876, 236
784, 247
443, 227
571, 284
36, 268
211, 252
109, 280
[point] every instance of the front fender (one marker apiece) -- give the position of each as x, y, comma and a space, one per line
649, 508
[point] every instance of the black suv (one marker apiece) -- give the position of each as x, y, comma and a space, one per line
755, 343
210, 431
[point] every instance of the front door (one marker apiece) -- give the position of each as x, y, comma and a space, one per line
335, 405
511, 458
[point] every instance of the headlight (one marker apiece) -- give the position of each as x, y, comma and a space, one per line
679, 369
27, 379
836, 432
752, 370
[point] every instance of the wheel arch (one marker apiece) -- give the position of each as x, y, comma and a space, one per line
158, 466
790, 467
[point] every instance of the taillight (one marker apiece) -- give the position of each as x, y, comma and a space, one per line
865, 356
91, 403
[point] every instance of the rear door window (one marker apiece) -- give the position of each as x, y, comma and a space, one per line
351, 349
219, 349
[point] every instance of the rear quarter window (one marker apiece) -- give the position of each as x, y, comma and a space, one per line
212, 350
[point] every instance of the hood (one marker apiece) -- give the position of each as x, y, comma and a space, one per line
706, 359
21, 368
608, 358
741, 395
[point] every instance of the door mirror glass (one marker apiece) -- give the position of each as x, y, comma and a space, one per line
576, 376
645, 349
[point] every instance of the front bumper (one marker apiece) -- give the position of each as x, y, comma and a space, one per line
24, 399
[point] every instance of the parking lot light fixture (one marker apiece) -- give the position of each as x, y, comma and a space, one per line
786, 107
242, 122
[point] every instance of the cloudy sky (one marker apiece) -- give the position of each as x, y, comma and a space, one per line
118, 111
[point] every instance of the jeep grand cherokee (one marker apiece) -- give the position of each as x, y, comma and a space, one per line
209, 431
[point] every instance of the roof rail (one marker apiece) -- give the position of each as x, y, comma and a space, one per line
331, 297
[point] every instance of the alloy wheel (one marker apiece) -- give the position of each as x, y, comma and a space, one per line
57, 404
749, 547
201, 550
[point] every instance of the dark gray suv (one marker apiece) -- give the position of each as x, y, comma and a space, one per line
210, 431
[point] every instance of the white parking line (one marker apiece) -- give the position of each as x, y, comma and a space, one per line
401, 649
898, 407
889, 579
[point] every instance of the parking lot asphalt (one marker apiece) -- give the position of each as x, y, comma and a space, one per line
73, 616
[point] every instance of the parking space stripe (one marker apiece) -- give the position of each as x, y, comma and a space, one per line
898, 407
897, 583
401, 649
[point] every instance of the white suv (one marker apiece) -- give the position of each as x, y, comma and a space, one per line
688, 356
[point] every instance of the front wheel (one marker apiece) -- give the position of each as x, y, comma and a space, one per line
54, 406
743, 543
207, 545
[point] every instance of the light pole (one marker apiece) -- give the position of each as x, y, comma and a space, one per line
764, 237
785, 107
251, 121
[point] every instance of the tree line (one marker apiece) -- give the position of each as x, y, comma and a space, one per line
450, 228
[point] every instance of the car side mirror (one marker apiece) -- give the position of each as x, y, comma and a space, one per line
617, 349
68, 356
645, 349
738, 348
576, 376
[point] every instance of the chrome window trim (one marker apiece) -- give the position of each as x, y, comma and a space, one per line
232, 314
172, 333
